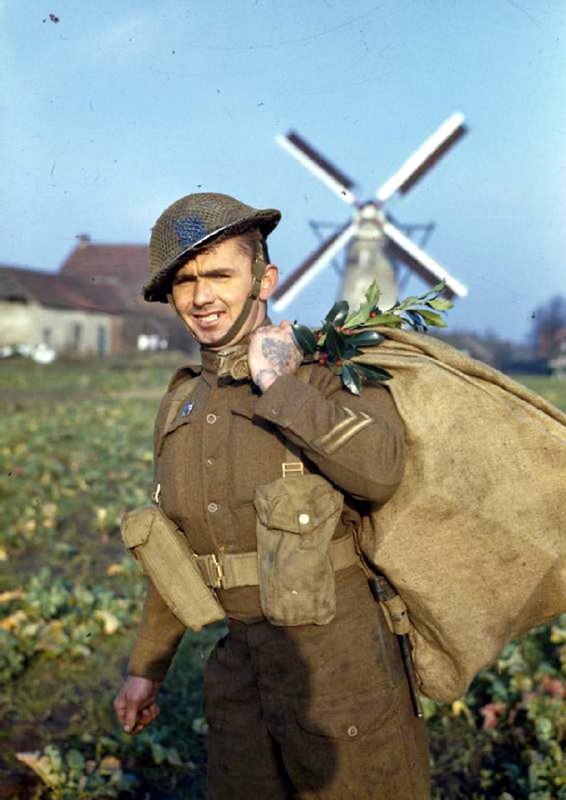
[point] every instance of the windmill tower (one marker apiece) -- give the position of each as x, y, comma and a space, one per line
374, 243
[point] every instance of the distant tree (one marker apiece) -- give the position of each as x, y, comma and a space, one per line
549, 325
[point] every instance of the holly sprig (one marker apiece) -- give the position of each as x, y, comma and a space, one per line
344, 332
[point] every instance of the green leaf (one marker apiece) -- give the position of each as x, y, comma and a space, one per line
432, 319
439, 287
337, 313
414, 318
351, 378
372, 372
361, 314
365, 339
75, 760
386, 319
335, 345
305, 339
441, 304
413, 300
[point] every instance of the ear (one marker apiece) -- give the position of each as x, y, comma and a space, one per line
269, 281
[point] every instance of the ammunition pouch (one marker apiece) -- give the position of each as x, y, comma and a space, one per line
296, 520
168, 560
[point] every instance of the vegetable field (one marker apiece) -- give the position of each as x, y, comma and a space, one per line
76, 453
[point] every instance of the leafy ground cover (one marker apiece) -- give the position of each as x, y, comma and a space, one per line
75, 454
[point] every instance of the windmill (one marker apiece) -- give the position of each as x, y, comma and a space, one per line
375, 245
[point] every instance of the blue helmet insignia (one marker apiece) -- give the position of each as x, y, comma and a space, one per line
189, 230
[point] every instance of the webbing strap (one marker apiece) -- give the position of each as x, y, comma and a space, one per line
293, 464
231, 570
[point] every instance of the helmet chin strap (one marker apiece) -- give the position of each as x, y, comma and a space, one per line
257, 272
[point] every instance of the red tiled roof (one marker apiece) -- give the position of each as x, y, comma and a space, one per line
125, 262
64, 291
94, 277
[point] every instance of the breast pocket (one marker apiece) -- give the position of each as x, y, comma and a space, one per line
174, 451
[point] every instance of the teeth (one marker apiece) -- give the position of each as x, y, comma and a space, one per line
209, 317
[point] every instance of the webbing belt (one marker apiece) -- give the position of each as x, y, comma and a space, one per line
240, 569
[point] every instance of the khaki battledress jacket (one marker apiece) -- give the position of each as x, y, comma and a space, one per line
227, 439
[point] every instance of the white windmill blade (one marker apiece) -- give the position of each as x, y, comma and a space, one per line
311, 266
310, 158
425, 266
423, 158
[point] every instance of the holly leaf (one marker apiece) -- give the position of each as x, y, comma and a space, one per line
305, 339
386, 319
365, 339
351, 378
372, 372
337, 313
361, 314
334, 344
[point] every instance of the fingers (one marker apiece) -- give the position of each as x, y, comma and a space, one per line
145, 718
134, 705
131, 716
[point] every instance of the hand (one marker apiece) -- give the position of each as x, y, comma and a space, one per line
135, 704
273, 352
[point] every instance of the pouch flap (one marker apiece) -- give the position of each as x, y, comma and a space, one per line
349, 717
297, 505
135, 525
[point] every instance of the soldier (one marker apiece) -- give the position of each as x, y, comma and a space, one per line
268, 467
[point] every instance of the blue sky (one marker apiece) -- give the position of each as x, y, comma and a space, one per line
121, 107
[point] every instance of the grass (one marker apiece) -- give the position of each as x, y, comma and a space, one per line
75, 454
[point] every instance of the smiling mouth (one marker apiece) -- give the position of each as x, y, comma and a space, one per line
208, 319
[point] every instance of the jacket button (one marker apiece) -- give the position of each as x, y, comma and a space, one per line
211, 418
212, 507
352, 731
210, 461
304, 519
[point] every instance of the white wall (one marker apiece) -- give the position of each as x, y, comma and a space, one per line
31, 324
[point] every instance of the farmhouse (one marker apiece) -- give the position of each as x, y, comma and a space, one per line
92, 306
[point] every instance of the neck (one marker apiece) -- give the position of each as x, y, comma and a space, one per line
220, 359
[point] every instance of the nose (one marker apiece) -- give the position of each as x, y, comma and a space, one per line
203, 293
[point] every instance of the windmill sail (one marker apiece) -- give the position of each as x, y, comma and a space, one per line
423, 158
311, 266
324, 170
421, 263
375, 244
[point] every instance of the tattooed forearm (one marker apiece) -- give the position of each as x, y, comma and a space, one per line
272, 353
281, 355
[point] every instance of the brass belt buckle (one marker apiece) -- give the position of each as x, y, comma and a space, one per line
292, 468
219, 572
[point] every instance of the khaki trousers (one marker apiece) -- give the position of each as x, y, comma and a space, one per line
314, 711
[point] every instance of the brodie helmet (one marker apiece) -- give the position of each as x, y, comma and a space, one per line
192, 224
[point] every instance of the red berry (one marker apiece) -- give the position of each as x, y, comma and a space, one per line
373, 314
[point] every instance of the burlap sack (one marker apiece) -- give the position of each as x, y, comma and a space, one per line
474, 538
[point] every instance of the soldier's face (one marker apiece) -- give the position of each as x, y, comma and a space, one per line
210, 290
